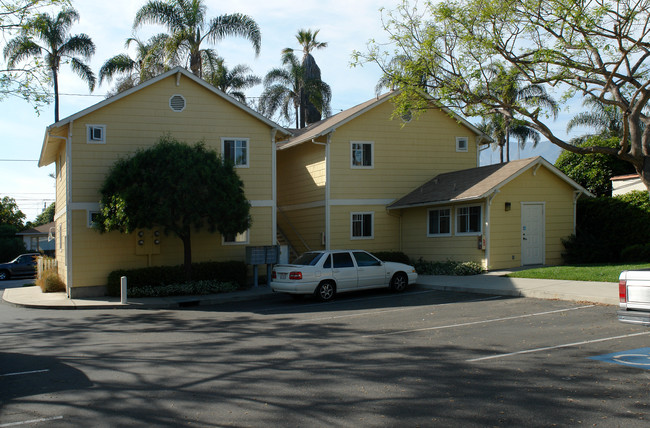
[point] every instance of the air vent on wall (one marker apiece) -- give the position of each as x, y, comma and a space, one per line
177, 103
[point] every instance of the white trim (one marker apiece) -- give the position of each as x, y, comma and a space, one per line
459, 148
235, 140
245, 242
457, 223
67, 247
274, 188
451, 222
372, 154
372, 225
90, 140
262, 203
362, 202
59, 213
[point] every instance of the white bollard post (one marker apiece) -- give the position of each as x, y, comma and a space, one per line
123, 289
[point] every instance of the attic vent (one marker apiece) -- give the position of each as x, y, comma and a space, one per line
177, 103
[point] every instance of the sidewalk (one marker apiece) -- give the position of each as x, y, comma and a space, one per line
491, 283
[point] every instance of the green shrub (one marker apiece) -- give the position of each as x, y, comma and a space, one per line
393, 256
449, 267
605, 226
223, 272
639, 253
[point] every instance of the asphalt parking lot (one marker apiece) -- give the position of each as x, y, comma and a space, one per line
422, 358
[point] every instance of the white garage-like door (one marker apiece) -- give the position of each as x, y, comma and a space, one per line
532, 233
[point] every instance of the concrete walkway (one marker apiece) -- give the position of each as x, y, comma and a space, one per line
493, 283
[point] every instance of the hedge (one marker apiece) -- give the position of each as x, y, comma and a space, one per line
232, 271
392, 256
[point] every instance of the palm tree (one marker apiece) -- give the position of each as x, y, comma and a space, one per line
511, 95
186, 22
315, 95
231, 81
282, 88
149, 62
57, 46
603, 118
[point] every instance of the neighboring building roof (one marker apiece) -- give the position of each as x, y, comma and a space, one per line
43, 229
474, 184
331, 123
47, 157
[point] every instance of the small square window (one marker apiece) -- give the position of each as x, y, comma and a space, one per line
439, 222
362, 225
462, 144
238, 238
362, 155
96, 134
235, 151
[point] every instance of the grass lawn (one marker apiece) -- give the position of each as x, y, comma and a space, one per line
604, 272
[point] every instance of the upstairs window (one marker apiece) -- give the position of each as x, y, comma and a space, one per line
362, 154
235, 151
462, 144
96, 134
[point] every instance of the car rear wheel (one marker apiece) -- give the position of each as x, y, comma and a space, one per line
4, 275
399, 282
325, 291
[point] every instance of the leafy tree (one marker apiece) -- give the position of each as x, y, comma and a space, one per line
47, 216
593, 48
231, 81
27, 81
149, 62
57, 46
10, 244
188, 28
177, 187
594, 172
315, 95
10, 213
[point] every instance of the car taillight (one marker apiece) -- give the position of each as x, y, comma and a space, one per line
273, 275
622, 291
295, 275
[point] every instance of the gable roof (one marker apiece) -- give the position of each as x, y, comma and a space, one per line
46, 156
475, 183
331, 123
43, 229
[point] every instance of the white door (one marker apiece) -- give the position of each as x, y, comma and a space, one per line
532, 233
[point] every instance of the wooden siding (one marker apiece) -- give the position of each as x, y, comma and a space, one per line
303, 225
301, 174
95, 255
139, 120
405, 154
505, 235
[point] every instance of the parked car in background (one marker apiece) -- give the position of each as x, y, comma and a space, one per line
23, 265
634, 297
325, 273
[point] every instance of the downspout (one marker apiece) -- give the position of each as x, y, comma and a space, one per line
488, 206
327, 187
274, 188
399, 225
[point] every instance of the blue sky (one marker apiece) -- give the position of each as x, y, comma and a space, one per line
346, 25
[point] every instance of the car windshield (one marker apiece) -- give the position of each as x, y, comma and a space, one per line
308, 259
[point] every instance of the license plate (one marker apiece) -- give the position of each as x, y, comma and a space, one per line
283, 275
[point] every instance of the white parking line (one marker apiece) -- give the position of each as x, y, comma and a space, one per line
379, 312
33, 421
479, 322
24, 373
529, 351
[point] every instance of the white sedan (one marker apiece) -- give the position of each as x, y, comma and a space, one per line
325, 273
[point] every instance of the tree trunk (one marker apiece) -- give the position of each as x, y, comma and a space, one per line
55, 81
187, 254
508, 144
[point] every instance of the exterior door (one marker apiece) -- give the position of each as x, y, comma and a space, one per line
532, 233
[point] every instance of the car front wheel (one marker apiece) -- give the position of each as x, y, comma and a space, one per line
325, 291
4, 275
399, 282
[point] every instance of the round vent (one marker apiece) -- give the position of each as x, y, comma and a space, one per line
177, 103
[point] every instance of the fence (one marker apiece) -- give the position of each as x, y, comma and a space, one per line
45, 264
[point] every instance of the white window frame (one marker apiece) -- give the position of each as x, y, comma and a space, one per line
372, 154
459, 147
244, 241
458, 222
90, 133
90, 218
451, 223
235, 140
372, 225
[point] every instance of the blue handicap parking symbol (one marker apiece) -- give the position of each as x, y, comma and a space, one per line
639, 358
